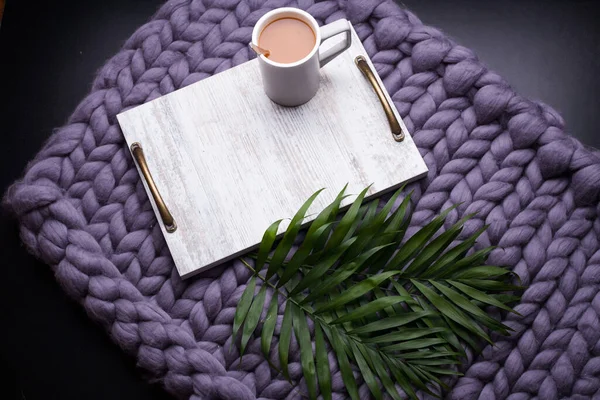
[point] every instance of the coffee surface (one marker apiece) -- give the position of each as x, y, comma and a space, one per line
287, 39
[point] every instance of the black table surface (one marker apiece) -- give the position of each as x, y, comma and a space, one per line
49, 53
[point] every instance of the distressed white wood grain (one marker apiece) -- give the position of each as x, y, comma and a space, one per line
228, 162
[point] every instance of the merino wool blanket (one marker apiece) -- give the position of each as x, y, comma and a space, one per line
83, 210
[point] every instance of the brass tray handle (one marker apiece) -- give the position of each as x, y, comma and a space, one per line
165, 214
364, 67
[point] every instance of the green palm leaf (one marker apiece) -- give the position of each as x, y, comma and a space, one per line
285, 337
269, 325
365, 369
244, 305
342, 356
450, 311
343, 273
347, 222
380, 369
435, 248
306, 352
392, 322
322, 362
285, 245
369, 308
355, 292
253, 317
315, 274
266, 244
417, 242
403, 335
401, 312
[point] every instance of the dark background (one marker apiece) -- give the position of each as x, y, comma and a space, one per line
49, 52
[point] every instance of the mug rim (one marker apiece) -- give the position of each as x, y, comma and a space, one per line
312, 22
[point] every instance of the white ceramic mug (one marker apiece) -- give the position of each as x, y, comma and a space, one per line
293, 84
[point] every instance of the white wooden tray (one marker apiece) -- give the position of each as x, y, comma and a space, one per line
227, 162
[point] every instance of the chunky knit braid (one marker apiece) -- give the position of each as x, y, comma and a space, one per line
83, 209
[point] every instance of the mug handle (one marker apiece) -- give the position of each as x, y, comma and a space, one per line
330, 30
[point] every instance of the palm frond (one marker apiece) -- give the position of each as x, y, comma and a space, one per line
397, 312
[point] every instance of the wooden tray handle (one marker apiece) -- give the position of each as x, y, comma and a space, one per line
165, 214
365, 68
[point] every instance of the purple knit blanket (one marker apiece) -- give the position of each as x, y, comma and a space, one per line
83, 210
